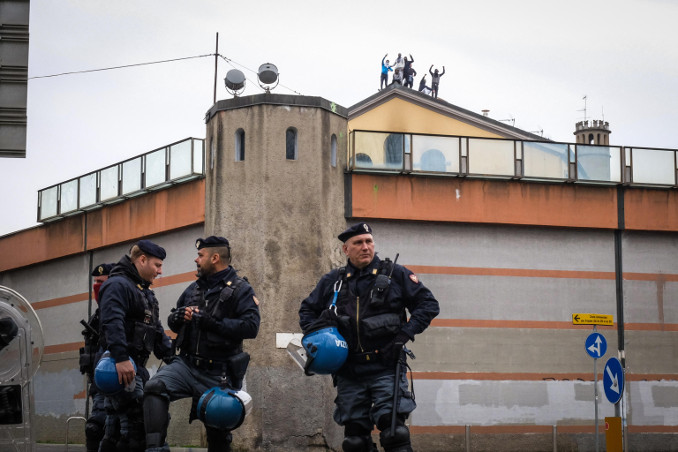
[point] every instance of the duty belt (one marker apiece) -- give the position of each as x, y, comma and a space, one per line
205, 363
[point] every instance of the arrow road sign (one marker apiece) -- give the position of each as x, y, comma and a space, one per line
596, 345
613, 380
592, 319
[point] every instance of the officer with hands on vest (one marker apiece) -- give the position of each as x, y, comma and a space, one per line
130, 331
212, 318
372, 296
89, 355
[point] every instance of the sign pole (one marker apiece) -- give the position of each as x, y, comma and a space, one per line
595, 390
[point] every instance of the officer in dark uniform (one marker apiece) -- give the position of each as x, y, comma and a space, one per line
131, 330
89, 355
212, 318
372, 296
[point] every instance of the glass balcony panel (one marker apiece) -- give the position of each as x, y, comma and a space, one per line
598, 163
653, 166
180, 160
491, 157
435, 154
379, 150
131, 176
155, 168
198, 152
109, 183
48, 202
69, 196
545, 160
88, 190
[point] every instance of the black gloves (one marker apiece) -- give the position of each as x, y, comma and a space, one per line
390, 353
205, 322
177, 316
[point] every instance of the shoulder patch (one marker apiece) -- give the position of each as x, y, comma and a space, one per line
414, 278
256, 300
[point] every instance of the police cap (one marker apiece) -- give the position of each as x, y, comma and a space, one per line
356, 229
211, 242
102, 270
151, 249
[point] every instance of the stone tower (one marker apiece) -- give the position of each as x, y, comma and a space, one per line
275, 188
593, 132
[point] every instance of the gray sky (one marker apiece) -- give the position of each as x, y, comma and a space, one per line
528, 60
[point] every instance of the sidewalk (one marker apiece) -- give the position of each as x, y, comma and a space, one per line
81, 448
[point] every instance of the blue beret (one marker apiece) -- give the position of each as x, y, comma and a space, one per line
102, 270
211, 242
356, 229
152, 249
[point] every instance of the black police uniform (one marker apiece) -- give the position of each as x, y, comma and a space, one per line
130, 328
89, 355
375, 326
210, 350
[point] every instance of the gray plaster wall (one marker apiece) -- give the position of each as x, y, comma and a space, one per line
282, 217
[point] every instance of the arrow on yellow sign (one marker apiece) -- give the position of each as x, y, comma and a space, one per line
592, 319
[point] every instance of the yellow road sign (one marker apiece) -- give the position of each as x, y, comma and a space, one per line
592, 319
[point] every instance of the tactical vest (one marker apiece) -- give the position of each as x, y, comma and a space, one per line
140, 324
377, 320
195, 342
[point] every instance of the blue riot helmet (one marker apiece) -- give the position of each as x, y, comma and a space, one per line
326, 350
224, 408
106, 375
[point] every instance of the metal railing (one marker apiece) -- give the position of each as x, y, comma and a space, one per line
462, 156
172, 164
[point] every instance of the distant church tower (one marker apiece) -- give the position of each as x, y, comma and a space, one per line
593, 132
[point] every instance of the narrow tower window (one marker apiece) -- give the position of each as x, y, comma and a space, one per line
333, 150
291, 144
239, 145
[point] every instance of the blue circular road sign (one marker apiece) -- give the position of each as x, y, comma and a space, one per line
613, 380
596, 345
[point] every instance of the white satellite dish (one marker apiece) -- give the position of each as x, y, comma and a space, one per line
235, 82
268, 75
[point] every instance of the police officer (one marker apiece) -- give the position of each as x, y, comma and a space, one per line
130, 331
89, 354
211, 319
372, 296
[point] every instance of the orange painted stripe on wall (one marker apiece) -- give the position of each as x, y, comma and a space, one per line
160, 282
539, 324
544, 429
532, 376
537, 273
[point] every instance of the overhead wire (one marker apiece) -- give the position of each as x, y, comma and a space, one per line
225, 58
120, 67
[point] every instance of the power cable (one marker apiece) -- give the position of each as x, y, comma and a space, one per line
121, 67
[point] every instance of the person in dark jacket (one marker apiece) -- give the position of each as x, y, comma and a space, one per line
212, 318
130, 331
89, 355
373, 296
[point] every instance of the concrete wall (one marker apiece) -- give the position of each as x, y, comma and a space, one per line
282, 217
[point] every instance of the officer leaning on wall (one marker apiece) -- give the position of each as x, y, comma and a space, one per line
130, 331
212, 317
89, 355
366, 301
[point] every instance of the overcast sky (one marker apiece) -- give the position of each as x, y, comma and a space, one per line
528, 60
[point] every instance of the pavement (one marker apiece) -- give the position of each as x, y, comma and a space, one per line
41, 447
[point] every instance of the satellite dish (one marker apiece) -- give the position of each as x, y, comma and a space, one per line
235, 82
268, 75
21, 349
